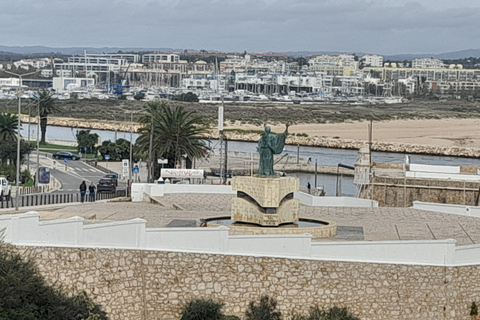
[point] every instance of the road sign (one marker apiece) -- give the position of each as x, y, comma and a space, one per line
136, 169
162, 161
85, 149
65, 160
107, 157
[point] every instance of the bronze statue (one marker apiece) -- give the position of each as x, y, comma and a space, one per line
268, 145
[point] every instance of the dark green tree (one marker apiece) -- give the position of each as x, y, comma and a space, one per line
47, 106
88, 140
176, 133
264, 310
8, 127
116, 150
25, 295
202, 309
187, 97
8, 151
334, 313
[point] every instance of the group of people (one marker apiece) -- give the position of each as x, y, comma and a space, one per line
91, 191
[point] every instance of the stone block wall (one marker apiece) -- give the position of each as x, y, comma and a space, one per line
154, 285
401, 192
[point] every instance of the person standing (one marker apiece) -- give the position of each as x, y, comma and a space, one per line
91, 190
83, 190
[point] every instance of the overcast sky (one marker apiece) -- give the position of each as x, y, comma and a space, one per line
370, 26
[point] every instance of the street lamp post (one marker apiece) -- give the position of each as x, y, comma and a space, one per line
131, 152
150, 151
17, 178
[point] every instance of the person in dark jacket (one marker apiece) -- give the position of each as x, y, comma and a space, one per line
91, 190
83, 190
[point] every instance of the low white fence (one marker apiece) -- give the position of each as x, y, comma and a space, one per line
459, 209
314, 201
26, 229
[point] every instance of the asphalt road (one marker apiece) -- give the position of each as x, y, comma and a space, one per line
71, 173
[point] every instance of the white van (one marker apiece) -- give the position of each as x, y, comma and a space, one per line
5, 189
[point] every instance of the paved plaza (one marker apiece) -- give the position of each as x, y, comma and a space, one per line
378, 223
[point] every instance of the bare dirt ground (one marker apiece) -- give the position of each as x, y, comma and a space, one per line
429, 122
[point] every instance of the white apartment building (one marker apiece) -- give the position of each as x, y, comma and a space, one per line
204, 83
334, 65
34, 63
427, 63
246, 64
9, 82
61, 84
372, 60
160, 57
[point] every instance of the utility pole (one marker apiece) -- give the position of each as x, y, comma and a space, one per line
150, 152
220, 130
19, 124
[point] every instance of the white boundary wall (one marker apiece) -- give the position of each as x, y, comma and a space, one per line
314, 201
439, 172
26, 229
463, 210
159, 190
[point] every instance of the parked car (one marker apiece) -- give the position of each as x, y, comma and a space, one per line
5, 189
66, 155
106, 185
112, 176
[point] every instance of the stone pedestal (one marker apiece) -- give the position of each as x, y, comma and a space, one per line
265, 201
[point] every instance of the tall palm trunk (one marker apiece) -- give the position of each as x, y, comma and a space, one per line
43, 129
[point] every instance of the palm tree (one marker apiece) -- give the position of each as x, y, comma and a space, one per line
46, 106
88, 140
176, 133
8, 127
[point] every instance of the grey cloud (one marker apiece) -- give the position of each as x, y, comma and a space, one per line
381, 26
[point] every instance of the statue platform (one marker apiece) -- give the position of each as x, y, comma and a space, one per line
265, 201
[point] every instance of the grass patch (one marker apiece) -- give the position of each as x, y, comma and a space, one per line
56, 147
244, 131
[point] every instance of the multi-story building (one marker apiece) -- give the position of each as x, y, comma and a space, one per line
372, 60
160, 57
334, 65
427, 63
61, 84
391, 73
33, 63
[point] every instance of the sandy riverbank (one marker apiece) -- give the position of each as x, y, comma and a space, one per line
434, 132
435, 136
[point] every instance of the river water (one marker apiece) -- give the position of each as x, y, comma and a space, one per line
323, 156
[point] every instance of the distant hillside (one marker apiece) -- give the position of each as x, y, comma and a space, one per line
78, 50
447, 55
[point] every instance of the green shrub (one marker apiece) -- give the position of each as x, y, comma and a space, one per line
26, 295
334, 313
202, 309
473, 309
265, 310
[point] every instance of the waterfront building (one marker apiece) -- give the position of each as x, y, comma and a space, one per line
427, 63
392, 73
372, 60
160, 57
64, 84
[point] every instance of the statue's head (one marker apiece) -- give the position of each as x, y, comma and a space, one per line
267, 129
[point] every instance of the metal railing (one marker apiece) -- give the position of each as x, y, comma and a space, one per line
41, 199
